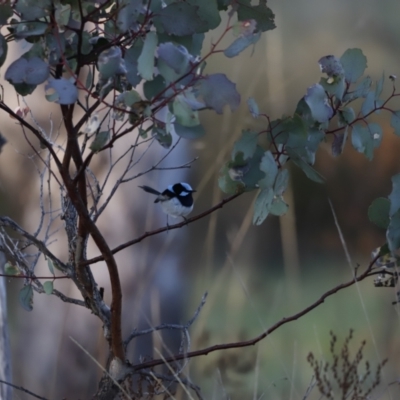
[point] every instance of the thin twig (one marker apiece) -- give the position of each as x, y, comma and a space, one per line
22, 389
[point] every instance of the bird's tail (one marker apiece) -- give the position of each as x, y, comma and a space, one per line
148, 189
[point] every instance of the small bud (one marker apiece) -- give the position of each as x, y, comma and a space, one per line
392, 77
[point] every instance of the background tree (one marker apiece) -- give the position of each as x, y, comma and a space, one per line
91, 56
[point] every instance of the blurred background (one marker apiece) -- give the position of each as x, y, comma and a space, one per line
254, 276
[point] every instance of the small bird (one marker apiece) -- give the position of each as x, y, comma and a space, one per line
176, 200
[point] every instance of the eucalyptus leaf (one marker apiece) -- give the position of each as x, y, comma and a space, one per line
146, 58
354, 63
378, 212
48, 287
99, 141
217, 91
247, 144
26, 297
394, 196
262, 205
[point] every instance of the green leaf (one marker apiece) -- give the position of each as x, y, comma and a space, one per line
33, 9
354, 63
183, 112
5, 13
154, 87
3, 48
241, 174
394, 196
317, 100
253, 107
50, 266
260, 13
146, 58
395, 122
262, 205
99, 141
111, 63
339, 142
10, 269
393, 232
217, 91
278, 206
180, 19
346, 116
162, 136
241, 43
231, 183
48, 287
335, 86
269, 167
310, 172
26, 297
361, 90
189, 132
247, 144
62, 14
378, 212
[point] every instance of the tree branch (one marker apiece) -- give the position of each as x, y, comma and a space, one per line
252, 342
187, 221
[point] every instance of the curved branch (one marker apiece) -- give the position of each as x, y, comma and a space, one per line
263, 335
187, 221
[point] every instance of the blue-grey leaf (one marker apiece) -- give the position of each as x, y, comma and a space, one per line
354, 63
310, 172
376, 133
360, 91
394, 196
32, 72
111, 63
369, 104
269, 167
176, 57
241, 43
395, 122
346, 116
128, 14
379, 87
217, 91
339, 142
189, 132
180, 19
331, 66
262, 205
63, 91
247, 144
393, 232
318, 102
362, 141
281, 182
253, 107
99, 141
